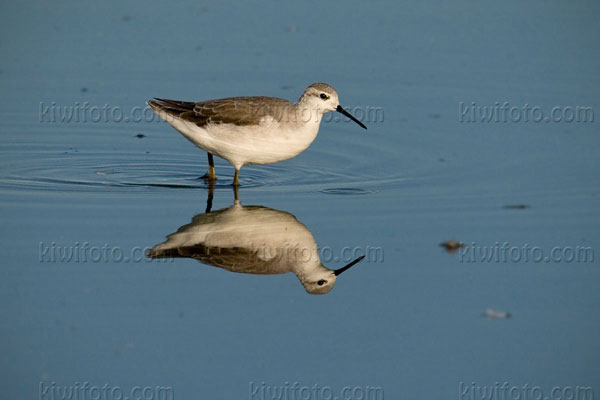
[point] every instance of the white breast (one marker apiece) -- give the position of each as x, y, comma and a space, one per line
266, 143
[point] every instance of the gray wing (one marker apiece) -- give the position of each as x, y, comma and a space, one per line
235, 110
234, 259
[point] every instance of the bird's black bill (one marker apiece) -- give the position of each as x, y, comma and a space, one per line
347, 114
339, 271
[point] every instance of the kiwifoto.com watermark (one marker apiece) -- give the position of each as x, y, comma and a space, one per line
86, 252
297, 391
506, 253
508, 113
295, 253
506, 391
87, 391
84, 112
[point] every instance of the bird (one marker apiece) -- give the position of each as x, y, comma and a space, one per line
252, 240
251, 130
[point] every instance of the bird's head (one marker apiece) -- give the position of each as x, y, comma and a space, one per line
321, 280
323, 98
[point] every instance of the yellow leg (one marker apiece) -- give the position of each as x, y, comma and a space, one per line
236, 180
210, 176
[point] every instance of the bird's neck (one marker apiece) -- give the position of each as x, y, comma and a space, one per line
307, 270
307, 113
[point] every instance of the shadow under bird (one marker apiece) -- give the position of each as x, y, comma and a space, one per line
251, 130
252, 240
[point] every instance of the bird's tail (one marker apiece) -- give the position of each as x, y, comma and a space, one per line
166, 109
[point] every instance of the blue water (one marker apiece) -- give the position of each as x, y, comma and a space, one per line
411, 323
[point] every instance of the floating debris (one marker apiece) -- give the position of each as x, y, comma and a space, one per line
83, 90
517, 206
452, 245
140, 135
126, 18
495, 314
435, 116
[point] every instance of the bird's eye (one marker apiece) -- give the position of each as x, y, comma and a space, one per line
321, 282
324, 96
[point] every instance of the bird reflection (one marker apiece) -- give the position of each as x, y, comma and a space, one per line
252, 240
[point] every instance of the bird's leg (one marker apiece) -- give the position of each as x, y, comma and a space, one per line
235, 194
209, 199
210, 176
211, 168
236, 180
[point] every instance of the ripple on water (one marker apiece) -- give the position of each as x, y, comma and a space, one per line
37, 169
346, 191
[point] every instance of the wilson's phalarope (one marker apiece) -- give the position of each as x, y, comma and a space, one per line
251, 130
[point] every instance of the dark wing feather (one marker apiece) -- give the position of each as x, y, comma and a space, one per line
234, 259
235, 110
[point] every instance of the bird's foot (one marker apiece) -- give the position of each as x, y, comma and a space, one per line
208, 179
210, 176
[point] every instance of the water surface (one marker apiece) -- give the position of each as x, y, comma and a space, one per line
410, 323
